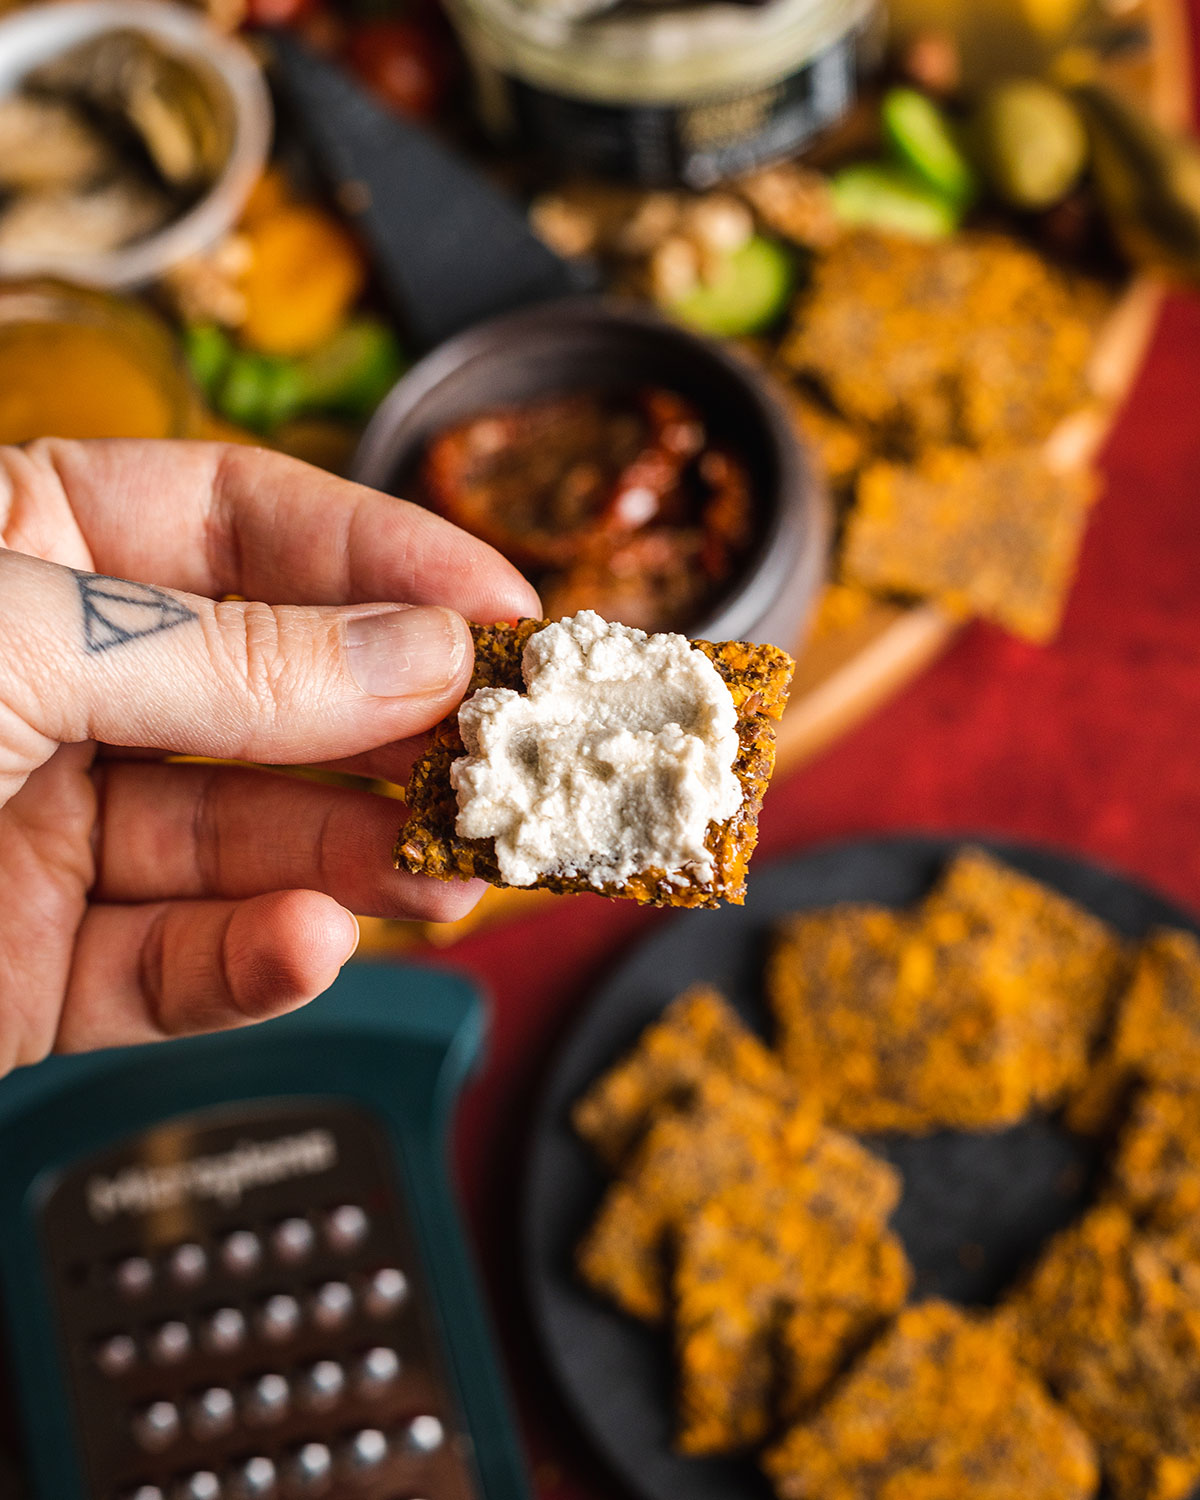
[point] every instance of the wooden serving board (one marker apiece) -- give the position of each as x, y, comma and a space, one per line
850, 670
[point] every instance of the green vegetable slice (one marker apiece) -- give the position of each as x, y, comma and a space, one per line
1031, 142
922, 137
258, 391
749, 292
208, 351
351, 373
881, 195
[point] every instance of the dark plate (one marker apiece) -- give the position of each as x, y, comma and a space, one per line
975, 1207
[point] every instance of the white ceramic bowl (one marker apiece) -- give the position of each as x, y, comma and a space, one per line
34, 35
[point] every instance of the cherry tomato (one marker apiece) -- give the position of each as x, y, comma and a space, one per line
404, 63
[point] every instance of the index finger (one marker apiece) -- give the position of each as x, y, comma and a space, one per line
219, 518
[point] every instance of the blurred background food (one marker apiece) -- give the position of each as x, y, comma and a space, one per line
993, 38
937, 229
74, 361
130, 136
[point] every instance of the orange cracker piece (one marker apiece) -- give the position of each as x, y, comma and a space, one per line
775, 1287
1063, 966
840, 606
938, 1409
993, 534
1096, 1105
728, 1134
697, 1034
1156, 1166
758, 678
983, 1004
868, 1281
1155, 1032
891, 1029
1110, 1317
830, 973
1158, 1024
841, 449
974, 339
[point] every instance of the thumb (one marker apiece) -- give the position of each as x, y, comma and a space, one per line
83, 656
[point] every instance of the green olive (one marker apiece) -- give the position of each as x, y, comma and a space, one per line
1030, 142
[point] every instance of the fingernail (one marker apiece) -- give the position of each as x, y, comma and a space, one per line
405, 652
355, 938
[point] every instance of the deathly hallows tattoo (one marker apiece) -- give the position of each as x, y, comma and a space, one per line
116, 611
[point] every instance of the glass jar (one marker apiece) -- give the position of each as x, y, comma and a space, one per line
666, 95
81, 364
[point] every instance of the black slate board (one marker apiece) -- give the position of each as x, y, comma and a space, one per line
449, 248
975, 1207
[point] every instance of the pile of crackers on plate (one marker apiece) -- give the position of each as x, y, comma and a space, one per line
747, 1220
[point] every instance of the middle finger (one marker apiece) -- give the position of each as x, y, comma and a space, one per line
392, 763
199, 831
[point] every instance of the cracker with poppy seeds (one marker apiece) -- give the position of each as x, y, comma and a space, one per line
1157, 1030
776, 1284
993, 533
895, 1027
940, 1408
974, 339
726, 1134
1154, 1035
758, 678
1156, 1165
1110, 1318
1065, 968
863, 1286
697, 1034
986, 1001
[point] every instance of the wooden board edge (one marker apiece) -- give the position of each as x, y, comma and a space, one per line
1172, 98
900, 648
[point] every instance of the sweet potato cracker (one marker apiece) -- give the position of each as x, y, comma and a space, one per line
994, 533
1110, 1317
698, 1034
939, 1408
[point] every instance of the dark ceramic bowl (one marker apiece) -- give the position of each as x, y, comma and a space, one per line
595, 342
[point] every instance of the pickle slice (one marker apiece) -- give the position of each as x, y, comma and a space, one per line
351, 372
921, 136
883, 196
749, 292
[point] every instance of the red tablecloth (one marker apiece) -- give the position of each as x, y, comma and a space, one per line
1092, 743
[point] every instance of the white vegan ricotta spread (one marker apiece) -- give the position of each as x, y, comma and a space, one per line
614, 761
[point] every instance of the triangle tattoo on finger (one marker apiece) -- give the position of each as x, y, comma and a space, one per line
116, 611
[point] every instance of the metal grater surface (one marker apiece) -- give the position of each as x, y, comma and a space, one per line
245, 1315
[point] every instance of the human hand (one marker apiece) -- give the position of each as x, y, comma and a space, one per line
140, 899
